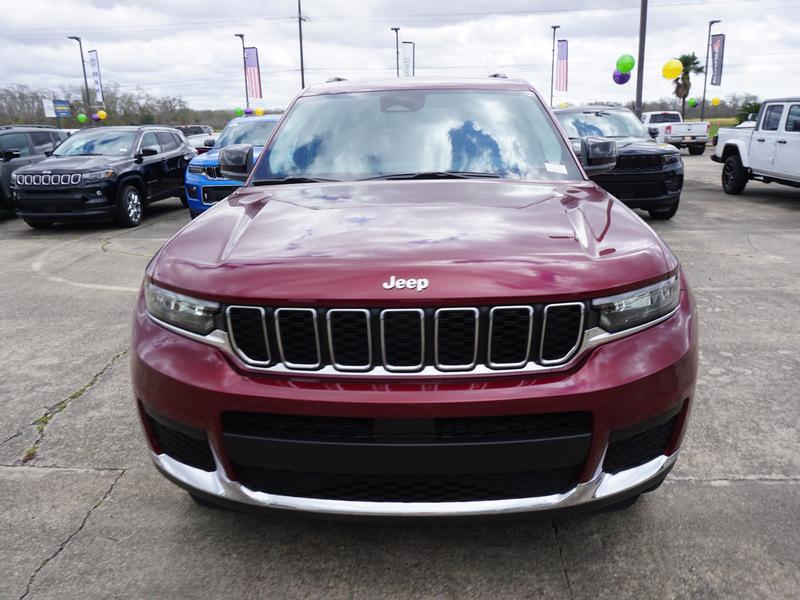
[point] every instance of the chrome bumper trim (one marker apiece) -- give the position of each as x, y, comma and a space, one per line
601, 486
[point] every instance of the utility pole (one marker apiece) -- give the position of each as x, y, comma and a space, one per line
300, 31
705, 75
88, 104
640, 61
397, 47
553, 60
244, 66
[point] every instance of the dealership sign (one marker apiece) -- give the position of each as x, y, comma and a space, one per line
94, 64
717, 54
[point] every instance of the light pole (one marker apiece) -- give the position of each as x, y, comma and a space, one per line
300, 31
88, 104
413, 58
244, 67
397, 47
705, 76
553, 60
640, 61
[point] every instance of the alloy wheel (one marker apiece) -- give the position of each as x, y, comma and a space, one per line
133, 205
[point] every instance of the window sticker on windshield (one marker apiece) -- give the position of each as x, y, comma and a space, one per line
555, 168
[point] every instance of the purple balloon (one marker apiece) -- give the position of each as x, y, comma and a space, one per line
248, 111
95, 117
621, 78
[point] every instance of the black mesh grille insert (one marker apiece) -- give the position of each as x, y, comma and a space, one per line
349, 334
639, 162
183, 448
562, 331
515, 426
402, 338
509, 336
640, 448
296, 426
298, 336
247, 328
456, 340
410, 488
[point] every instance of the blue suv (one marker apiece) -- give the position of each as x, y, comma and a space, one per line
205, 185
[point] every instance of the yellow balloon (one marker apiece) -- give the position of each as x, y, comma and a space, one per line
102, 114
715, 101
672, 69
259, 111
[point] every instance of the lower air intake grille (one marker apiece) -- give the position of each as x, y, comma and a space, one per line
189, 450
638, 449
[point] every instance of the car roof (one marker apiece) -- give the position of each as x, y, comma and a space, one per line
417, 83
589, 108
26, 128
791, 99
129, 128
270, 117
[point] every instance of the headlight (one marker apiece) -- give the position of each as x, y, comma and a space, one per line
97, 175
181, 311
197, 170
672, 158
639, 306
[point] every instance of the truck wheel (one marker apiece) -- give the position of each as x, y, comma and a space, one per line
697, 149
184, 200
664, 212
129, 206
734, 175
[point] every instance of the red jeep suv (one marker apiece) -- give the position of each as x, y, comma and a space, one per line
418, 304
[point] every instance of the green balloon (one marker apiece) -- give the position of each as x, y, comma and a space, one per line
692, 102
625, 63
239, 111
82, 118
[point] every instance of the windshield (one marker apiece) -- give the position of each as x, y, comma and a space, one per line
665, 118
374, 134
97, 141
605, 123
245, 131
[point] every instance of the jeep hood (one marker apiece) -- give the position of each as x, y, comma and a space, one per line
72, 164
474, 240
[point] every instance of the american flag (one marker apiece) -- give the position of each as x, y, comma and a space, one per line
562, 66
252, 72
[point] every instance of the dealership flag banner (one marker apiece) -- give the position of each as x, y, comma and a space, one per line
94, 67
717, 54
252, 72
562, 66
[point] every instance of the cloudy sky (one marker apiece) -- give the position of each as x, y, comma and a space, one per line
186, 47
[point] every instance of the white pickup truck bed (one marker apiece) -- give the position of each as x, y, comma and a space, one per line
673, 130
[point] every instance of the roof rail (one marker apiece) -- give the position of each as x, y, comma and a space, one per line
499, 75
335, 79
27, 125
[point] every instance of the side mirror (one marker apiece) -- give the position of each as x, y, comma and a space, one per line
148, 152
598, 155
653, 131
209, 143
752, 116
10, 154
236, 161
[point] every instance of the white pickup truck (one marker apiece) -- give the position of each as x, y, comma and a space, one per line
673, 130
768, 152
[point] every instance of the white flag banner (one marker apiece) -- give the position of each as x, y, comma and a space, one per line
94, 68
406, 60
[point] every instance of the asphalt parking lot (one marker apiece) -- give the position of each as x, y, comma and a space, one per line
83, 514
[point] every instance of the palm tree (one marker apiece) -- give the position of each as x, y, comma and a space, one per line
683, 83
747, 109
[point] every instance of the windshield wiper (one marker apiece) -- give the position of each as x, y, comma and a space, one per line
295, 179
434, 175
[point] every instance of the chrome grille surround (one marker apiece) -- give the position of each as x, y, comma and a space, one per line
281, 344
368, 319
580, 306
42, 179
239, 352
496, 310
403, 368
436, 354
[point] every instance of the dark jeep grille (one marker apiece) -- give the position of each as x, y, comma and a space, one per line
456, 337
402, 338
298, 336
562, 326
638, 449
349, 335
511, 332
251, 338
639, 162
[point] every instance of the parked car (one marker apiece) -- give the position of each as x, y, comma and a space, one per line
203, 142
419, 305
648, 175
205, 185
188, 130
673, 130
22, 145
769, 151
103, 173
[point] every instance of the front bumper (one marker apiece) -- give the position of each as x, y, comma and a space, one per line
644, 378
202, 193
681, 142
80, 203
648, 189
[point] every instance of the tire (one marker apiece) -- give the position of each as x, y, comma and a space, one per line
698, 149
664, 213
734, 175
184, 199
39, 224
129, 206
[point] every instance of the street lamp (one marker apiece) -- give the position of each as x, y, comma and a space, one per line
244, 65
705, 77
553, 60
88, 104
397, 47
413, 58
637, 107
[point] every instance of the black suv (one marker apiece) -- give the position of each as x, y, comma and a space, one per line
648, 175
22, 145
103, 173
